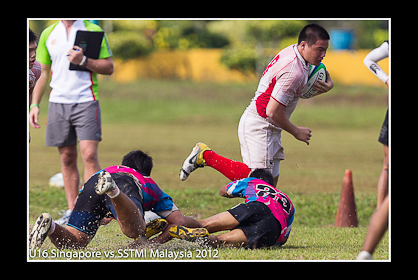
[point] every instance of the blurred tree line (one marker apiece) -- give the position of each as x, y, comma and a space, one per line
248, 45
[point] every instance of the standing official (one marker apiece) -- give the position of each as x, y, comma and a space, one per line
74, 110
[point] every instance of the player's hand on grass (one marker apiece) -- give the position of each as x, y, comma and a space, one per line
33, 117
323, 87
105, 221
303, 134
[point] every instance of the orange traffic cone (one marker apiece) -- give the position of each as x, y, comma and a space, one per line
347, 212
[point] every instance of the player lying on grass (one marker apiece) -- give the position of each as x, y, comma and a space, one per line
98, 196
264, 220
123, 192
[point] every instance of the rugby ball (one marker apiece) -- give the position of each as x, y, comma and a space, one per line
56, 181
315, 73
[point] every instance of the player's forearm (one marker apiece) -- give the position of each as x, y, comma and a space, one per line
281, 120
287, 125
373, 57
102, 66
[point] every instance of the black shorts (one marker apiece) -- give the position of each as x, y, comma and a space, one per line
258, 223
384, 132
91, 208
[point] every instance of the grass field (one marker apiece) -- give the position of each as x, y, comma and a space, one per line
166, 118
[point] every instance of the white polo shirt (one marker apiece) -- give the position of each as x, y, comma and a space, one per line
68, 86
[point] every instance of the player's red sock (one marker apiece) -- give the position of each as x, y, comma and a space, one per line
233, 170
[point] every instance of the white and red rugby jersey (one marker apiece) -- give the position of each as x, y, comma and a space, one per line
283, 80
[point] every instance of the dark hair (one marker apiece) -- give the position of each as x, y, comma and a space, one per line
263, 174
311, 33
139, 161
32, 36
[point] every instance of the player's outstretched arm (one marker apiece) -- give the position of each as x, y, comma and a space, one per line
224, 193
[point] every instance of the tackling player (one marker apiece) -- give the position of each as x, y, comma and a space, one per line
100, 195
129, 192
264, 220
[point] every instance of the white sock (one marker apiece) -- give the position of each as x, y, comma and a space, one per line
114, 193
52, 229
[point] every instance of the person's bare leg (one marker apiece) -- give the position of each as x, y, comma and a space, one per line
70, 173
220, 222
234, 238
377, 227
128, 215
382, 186
69, 237
191, 222
88, 149
130, 218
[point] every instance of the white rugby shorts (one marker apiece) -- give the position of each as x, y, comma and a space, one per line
260, 141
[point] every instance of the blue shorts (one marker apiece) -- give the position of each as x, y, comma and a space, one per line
91, 208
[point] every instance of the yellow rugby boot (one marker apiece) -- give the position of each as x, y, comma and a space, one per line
194, 160
189, 234
154, 227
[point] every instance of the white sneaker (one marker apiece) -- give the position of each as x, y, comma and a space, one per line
105, 184
364, 255
40, 231
194, 160
65, 217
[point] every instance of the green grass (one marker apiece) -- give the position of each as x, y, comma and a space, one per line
307, 243
313, 235
166, 118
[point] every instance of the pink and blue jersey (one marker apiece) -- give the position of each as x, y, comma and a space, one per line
253, 189
154, 199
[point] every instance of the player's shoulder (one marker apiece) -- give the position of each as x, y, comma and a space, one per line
286, 59
288, 54
238, 185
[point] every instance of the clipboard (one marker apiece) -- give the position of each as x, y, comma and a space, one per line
90, 42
